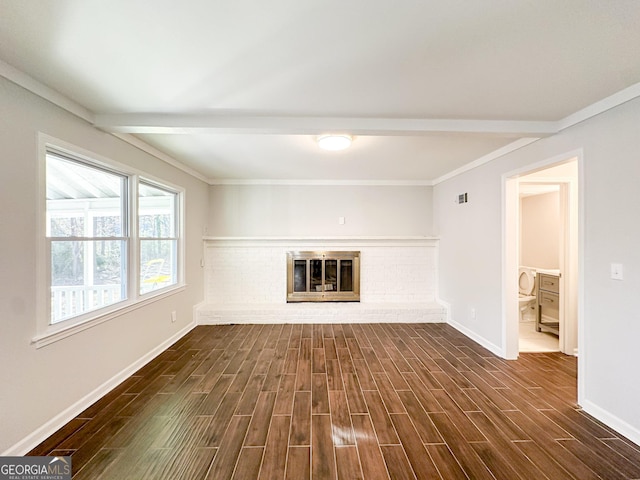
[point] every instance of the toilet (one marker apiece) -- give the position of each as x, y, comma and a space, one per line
526, 291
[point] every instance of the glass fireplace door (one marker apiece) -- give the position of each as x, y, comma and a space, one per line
323, 276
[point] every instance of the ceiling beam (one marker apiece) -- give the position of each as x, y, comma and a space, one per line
289, 125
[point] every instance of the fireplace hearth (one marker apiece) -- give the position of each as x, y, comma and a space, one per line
323, 276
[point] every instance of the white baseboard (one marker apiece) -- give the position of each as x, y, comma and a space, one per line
35, 438
477, 338
620, 426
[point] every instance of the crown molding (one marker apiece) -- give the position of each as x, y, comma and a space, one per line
43, 91
304, 182
121, 125
623, 96
511, 147
145, 147
37, 88
601, 106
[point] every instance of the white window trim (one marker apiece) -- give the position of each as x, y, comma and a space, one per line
47, 333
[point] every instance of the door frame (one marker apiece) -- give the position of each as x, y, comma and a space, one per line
571, 257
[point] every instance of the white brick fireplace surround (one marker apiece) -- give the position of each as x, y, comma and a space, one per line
245, 281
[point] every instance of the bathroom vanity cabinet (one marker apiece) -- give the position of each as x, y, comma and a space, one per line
548, 303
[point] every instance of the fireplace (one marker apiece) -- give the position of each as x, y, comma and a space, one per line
323, 276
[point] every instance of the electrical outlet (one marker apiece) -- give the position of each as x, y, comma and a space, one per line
173, 316
472, 313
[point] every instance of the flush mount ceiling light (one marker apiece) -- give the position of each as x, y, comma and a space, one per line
334, 141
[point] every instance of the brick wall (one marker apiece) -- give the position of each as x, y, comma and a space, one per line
253, 271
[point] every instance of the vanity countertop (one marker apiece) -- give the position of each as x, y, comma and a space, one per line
546, 271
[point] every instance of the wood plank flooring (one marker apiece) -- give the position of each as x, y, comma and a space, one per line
381, 401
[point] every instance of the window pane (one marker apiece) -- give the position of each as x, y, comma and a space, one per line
67, 226
157, 220
157, 264
67, 263
106, 226
85, 275
78, 194
156, 211
86, 202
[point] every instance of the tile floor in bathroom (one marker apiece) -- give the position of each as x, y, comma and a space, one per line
532, 341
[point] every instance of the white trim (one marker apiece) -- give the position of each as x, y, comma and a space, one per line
510, 258
68, 414
544, 164
43, 265
476, 338
180, 211
586, 113
323, 238
46, 333
599, 107
65, 330
294, 242
326, 313
582, 364
43, 91
181, 123
145, 147
392, 183
511, 147
119, 124
47, 142
510, 250
612, 421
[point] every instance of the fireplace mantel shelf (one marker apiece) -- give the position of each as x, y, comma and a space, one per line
400, 237
291, 241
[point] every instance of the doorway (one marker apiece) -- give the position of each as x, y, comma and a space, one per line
559, 175
539, 262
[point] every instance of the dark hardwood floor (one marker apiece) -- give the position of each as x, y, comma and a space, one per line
381, 401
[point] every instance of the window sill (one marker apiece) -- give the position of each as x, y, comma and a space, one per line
60, 332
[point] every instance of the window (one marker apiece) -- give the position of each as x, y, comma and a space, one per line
158, 240
87, 230
106, 247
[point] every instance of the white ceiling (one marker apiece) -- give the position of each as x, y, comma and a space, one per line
236, 90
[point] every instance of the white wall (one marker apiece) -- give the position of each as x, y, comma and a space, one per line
313, 210
470, 261
38, 384
540, 231
305, 217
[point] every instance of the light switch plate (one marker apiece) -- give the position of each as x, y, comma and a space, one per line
616, 271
